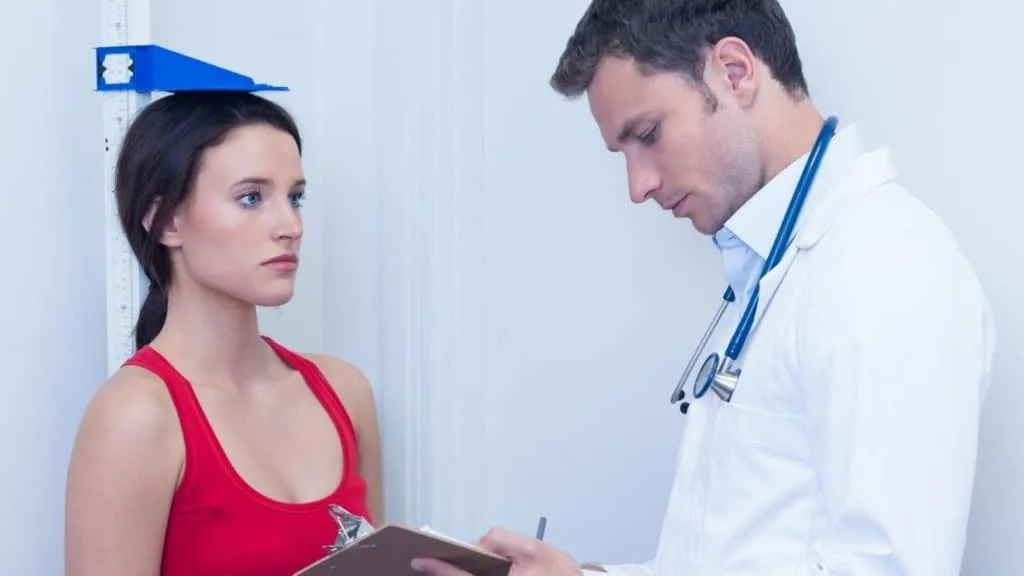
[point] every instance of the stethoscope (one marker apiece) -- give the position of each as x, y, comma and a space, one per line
719, 374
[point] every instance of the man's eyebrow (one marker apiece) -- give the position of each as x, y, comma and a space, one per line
628, 129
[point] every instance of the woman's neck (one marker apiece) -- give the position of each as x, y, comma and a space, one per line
215, 337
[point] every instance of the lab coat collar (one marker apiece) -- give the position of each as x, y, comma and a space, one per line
756, 223
860, 174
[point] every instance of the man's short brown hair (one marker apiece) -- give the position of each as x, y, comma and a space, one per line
673, 35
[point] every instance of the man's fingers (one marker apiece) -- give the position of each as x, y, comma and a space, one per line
436, 568
510, 544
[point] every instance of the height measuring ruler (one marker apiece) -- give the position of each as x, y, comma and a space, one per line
124, 22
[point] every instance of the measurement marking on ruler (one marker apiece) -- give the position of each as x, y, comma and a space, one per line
124, 22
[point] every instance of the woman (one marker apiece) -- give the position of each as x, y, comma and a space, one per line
215, 450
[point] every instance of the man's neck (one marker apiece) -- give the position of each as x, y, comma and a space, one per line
788, 136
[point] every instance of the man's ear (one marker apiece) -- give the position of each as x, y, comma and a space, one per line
169, 235
737, 67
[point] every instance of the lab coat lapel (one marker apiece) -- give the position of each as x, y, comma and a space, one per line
869, 172
771, 281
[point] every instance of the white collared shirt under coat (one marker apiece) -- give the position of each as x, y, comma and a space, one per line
849, 446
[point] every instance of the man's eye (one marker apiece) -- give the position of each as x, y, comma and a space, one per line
650, 136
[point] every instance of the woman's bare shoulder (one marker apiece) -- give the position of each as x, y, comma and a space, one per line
351, 385
123, 472
130, 417
134, 402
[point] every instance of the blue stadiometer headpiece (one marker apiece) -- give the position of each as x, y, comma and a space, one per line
151, 68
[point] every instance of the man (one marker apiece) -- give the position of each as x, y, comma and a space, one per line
848, 446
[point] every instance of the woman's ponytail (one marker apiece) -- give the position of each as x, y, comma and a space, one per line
151, 317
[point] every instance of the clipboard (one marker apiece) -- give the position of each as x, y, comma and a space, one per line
390, 550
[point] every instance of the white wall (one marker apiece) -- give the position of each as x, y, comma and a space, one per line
470, 246
52, 279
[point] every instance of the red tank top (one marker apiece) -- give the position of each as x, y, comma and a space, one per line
218, 524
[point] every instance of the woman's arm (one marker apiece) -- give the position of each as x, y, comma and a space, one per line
124, 469
356, 393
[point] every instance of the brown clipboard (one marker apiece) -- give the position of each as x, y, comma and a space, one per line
390, 550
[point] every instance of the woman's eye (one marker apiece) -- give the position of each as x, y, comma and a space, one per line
297, 198
250, 200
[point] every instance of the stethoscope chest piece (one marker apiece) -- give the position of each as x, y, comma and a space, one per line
706, 376
716, 377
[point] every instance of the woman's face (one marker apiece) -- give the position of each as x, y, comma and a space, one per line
239, 232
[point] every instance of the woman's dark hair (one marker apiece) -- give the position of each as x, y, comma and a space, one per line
157, 166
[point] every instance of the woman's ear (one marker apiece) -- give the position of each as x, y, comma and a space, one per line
147, 220
169, 232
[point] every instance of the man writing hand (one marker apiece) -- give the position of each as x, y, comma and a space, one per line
530, 557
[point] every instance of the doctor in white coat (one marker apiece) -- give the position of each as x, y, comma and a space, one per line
847, 447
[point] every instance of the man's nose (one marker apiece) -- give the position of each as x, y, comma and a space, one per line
644, 180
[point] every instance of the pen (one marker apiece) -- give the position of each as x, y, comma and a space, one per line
541, 525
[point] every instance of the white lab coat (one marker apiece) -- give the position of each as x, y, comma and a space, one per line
849, 446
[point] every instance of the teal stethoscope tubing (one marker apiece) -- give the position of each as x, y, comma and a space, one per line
782, 238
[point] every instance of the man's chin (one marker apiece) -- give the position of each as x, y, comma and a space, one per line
705, 226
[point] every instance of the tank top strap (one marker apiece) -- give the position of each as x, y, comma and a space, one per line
199, 450
325, 393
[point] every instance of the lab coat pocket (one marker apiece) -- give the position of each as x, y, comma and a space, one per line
762, 486
762, 433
